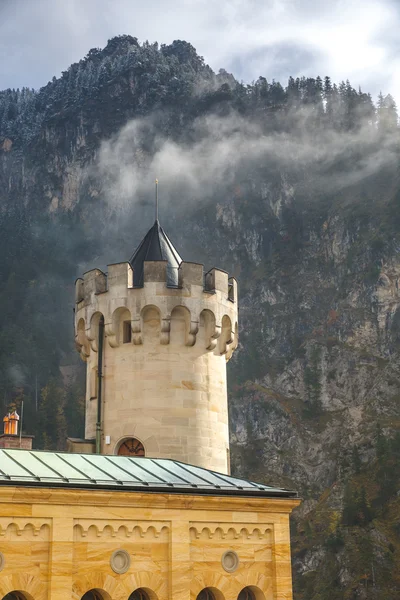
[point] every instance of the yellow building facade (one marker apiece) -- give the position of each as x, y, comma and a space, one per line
87, 539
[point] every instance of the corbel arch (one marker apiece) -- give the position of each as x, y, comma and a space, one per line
92, 333
209, 331
150, 317
183, 327
232, 347
227, 335
81, 341
119, 330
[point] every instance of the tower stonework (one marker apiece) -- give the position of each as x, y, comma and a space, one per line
156, 336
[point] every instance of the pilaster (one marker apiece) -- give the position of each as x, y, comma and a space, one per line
281, 559
61, 558
180, 560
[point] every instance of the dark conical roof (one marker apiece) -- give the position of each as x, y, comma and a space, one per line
155, 245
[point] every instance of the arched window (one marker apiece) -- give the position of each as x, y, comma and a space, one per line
131, 447
246, 594
92, 595
139, 594
14, 596
206, 594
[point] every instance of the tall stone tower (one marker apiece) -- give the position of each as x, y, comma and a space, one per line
156, 334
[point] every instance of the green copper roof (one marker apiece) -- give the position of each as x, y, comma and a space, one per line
61, 469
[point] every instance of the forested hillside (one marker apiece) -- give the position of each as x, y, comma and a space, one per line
294, 188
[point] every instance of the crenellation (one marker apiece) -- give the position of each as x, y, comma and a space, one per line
155, 270
232, 289
217, 280
94, 282
119, 277
79, 290
191, 274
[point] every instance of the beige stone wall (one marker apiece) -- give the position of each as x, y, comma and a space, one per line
166, 386
56, 544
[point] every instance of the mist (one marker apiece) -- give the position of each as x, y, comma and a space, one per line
218, 151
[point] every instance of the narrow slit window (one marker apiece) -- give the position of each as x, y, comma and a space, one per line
127, 332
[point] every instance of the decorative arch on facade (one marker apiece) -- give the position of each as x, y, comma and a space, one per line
219, 585
258, 584
209, 332
27, 586
235, 340
93, 332
210, 593
151, 324
152, 584
104, 585
119, 331
143, 594
130, 446
81, 340
226, 337
180, 325
96, 595
251, 592
15, 596
184, 326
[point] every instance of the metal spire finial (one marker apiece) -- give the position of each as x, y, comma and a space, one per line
156, 199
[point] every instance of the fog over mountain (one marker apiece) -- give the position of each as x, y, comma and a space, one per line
291, 186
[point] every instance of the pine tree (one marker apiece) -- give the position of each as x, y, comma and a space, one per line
387, 114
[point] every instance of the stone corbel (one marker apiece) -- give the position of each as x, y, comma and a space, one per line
231, 347
226, 347
136, 325
91, 336
193, 329
214, 337
111, 335
83, 349
165, 331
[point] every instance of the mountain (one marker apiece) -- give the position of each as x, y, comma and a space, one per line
293, 189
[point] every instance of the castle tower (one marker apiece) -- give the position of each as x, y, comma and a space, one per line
156, 334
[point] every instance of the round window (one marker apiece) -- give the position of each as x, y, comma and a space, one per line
120, 561
230, 561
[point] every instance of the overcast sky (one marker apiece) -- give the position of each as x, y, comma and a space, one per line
354, 39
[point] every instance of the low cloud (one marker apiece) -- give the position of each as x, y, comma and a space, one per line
219, 150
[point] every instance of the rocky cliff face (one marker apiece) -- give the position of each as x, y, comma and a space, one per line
302, 210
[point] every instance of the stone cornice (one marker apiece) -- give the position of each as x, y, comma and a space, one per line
25, 495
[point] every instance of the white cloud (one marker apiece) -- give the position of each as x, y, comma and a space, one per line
355, 39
